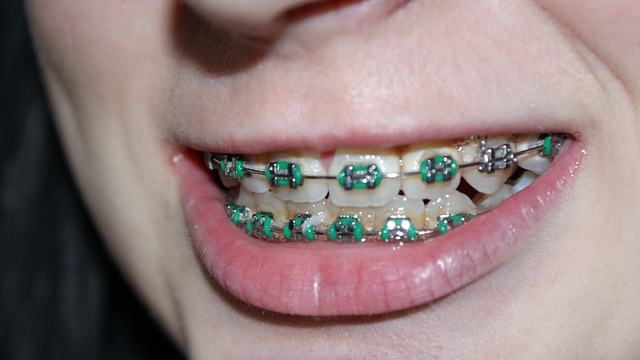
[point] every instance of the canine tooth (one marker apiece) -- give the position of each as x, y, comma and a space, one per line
415, 187
532, 161
524, 181
256, 183
403, 206
310, 165
366, 191
487, 183
451, 204
267, 202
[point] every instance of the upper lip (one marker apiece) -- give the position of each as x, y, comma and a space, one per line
285, 104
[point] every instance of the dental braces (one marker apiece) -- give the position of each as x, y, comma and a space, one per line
353, 177
344, 229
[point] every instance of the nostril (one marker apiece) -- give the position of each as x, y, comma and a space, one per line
314, 8
257, 18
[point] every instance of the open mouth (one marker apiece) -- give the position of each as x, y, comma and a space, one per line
407, 194
266, 230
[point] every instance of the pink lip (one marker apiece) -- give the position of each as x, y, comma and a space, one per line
347, 279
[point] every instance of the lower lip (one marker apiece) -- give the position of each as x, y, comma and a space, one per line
328, 279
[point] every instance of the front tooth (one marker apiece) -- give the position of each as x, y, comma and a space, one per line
451, 204
403, 206
487, 183
417, 187
365, 190
256, 183
532, 161
267, 202
311, 190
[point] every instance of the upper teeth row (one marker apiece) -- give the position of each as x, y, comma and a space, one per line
436, 167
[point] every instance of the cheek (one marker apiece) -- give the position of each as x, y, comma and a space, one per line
610, 29
89, 42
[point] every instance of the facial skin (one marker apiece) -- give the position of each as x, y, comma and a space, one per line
132, 84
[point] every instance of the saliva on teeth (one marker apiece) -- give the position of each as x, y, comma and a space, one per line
388, 195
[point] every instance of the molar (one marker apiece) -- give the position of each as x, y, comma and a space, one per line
415, 187
365, 189
310, 165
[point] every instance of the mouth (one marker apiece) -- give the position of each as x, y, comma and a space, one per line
428, 219
392, 195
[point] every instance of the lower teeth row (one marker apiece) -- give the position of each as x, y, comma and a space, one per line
349, 227
344, 229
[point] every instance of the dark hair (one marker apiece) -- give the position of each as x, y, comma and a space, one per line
60, 295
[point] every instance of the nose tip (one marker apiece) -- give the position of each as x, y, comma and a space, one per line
252, 17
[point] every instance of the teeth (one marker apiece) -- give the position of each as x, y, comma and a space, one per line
415, 187
267, 202
366, 215
487, 183
317, 210
257, 184
527, 178
310, 165
452, 204
403, 206
532, 161
382, 191
246, 198
385, 161
489, 201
